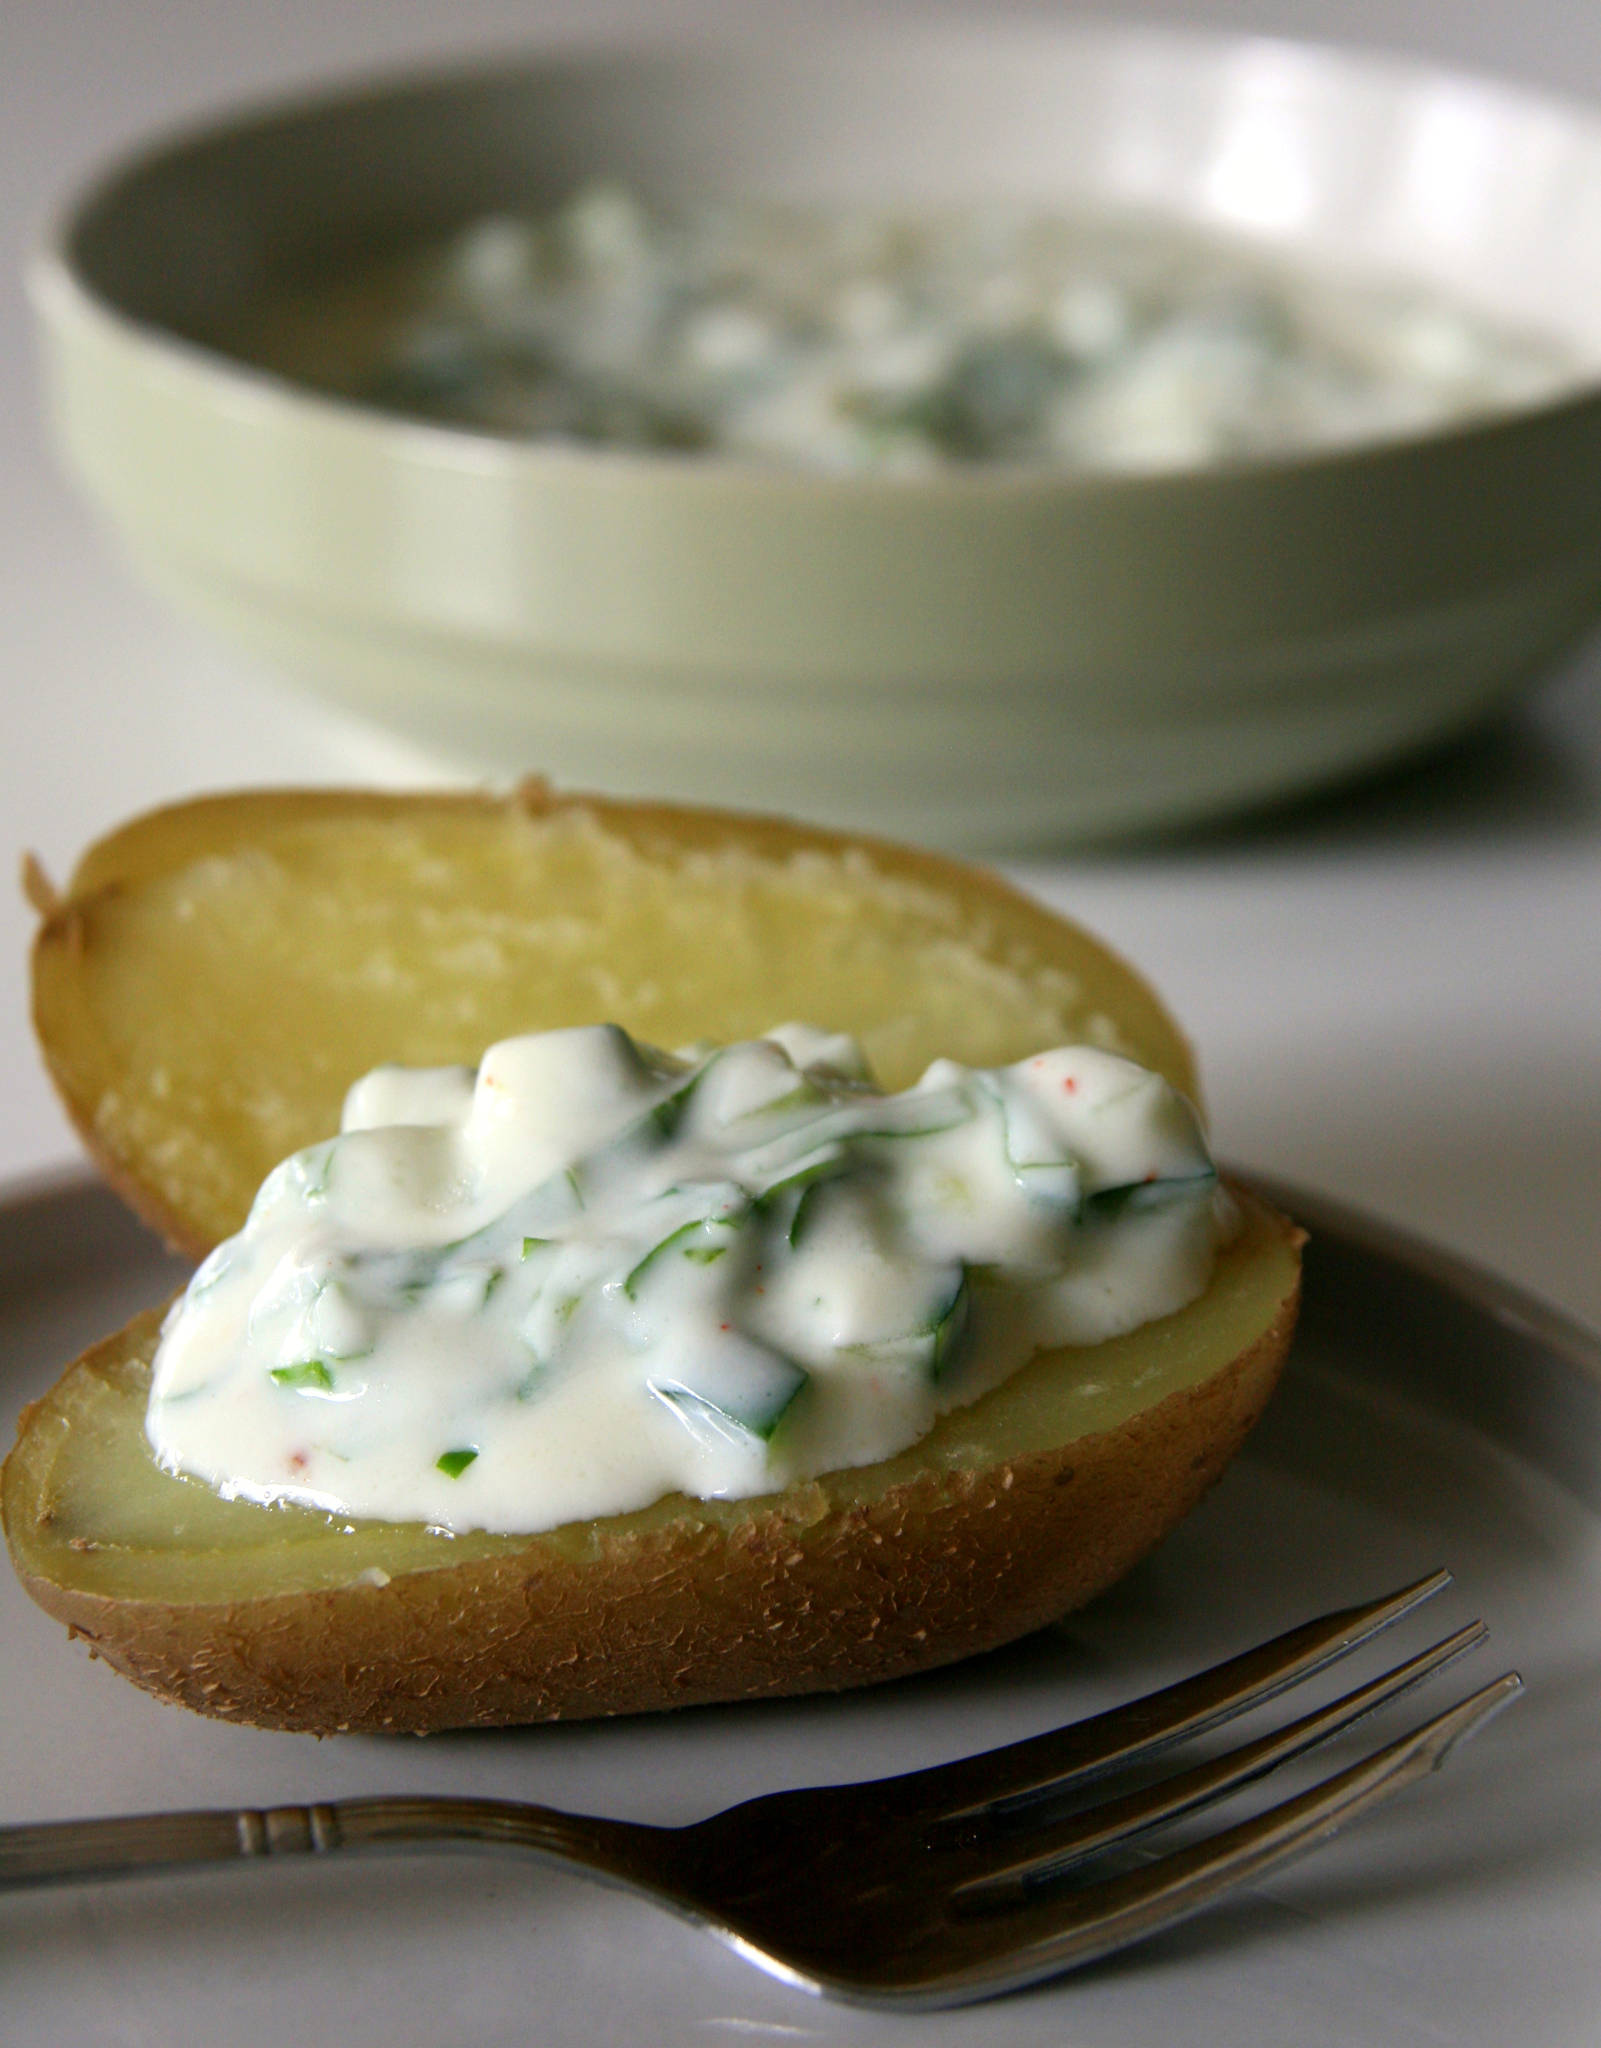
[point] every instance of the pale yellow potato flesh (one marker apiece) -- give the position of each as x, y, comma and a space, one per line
1012, 1512
111, 1521
219, 974
216, 976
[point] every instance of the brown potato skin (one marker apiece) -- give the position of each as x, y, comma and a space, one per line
946, 1565
792, 1598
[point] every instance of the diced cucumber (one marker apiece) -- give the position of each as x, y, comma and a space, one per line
320, 1170
391, 1276
648, 1131
806, 1094
216, 1266
803, 1214
935, 1346
917, 1116
539, 1372
949, 1330
408, 1275
701, 1240
337, 1323
729, 1400
821, 1164
1052, 1183
1130, 1197
1035, 1157
796, 1190
669, 1113
557, 1200
305, 1174
901, 1118
458, 1288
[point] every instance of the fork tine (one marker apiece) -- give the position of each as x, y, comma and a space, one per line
1021, 1771
1006, 1859
1061, 1929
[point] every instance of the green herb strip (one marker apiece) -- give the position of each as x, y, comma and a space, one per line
310, 1376
703, 1254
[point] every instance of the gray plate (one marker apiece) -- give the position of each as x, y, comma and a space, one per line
1430, 1416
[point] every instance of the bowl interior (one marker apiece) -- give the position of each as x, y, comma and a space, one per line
993, 657
1386, 168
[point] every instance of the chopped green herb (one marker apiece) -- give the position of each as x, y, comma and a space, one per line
310, 1373
933, 1125
702, 1254
454, 1463
832, 1159
669, 1112
805, 1095
805, 1209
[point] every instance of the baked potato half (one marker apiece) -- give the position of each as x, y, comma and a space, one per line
208, 986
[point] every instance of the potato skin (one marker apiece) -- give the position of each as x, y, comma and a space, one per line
950, 1563
811, 1592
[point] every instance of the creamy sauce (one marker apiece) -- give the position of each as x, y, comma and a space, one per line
898, 341
590, 1274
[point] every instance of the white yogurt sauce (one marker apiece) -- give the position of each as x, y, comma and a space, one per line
904, 341
590, 1274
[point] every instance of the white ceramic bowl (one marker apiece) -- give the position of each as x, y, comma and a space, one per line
990, 658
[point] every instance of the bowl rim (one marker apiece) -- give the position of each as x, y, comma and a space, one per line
60, 292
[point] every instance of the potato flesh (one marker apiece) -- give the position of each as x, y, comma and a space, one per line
87, 1509
220, 974
217, 976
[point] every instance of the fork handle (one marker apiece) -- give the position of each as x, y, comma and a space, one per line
72, 1851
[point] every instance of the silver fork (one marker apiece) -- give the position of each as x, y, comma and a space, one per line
932, 1889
